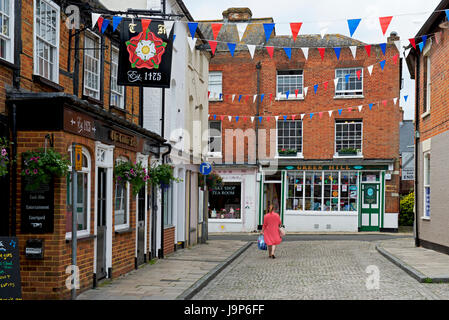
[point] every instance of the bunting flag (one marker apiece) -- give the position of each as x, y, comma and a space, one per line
252, 119
288, 52
287, 93
424, 39
315, 88
295, 27
105, 25
370, 69
174, 37
353, 51
397, 43
384, 23
192, 28
268, 119
360, 108
285, 118
231, 47
241, 28
359, 73
438, 37
261, 97
447, 13
405, 98
95, 17
216, 27
222, 118
353, 24
254, 98
384, 102
311, 115
336, 82
246, 98
168, 26
215, 117
320, 114
326, 84
296, 93
233, 97
347, 76
421, 46
305, 91
395, 100
100, 23
230, 118
240, 97
412, 42
270, 51
337, 52
302, 115
382, 64
116, 21
237, 119
251, 49
276, 118
370, 106
293, 116
395, 58
220, 96
321, 50
191, 42
244, 119
271, 97
213, 46
268, 27
368, 50
383, 46
340, 111
330, 113
260, 119
305, 51
145, 24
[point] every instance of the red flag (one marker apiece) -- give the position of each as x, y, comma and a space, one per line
325, 85
296, 93
368, 49
222, 118
213, 46
271, 96
395, 58
270, 51
145, 24
293, 116
349, 109
359, 73
321, 114
268, 118
246, 98
384, 23
412, 42
321, 50
100, 23
216, 29
208, 94
295, 26
244, 119
384, 102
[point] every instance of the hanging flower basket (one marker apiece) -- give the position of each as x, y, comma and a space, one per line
162, 175
4, 157
213, 180
40, 166
135, 174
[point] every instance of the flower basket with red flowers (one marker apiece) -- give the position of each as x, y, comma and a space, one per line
135, 174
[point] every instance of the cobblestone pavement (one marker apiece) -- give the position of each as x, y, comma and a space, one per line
310, 270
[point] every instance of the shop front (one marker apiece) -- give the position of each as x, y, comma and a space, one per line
327, 197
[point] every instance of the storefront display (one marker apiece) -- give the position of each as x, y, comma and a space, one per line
225, 201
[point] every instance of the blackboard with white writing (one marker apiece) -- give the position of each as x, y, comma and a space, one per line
10, 286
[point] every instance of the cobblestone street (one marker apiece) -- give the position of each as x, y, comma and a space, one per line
312, 270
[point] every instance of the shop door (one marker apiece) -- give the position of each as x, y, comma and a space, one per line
141, 227
370, 209
101, 224
153, 233
272, 195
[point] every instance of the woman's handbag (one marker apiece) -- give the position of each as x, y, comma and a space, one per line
261, 243
282, 231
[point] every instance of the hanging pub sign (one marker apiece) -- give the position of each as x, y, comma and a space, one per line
145, 54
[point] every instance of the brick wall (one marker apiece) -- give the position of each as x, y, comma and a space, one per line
169, 240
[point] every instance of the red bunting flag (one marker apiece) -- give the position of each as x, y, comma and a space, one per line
213, 46
271, 96
395, 58
270, 51
321, 114
368, 49
321, 50
246, 98
349, 109
412, 42
293, 116
268, 118
296, 93
100, 23
359, 73
216, 29
295, 26
384, 23
222, 118
326, 84
244, 119
384, 102
208, 94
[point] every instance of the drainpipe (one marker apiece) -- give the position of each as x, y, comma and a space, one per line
14, 171
161, 253
258, 67
417, 87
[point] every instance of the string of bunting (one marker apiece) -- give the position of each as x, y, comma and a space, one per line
302, 115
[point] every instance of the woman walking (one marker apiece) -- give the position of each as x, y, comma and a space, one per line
270, 230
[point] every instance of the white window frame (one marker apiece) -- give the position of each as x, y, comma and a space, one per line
122, 226
8, 38
114, 76
347, 93
292, 95
298, 154
88, 50
360, 152
428, 67
426, 183
55, 66
213, 88
215, 154
86, 170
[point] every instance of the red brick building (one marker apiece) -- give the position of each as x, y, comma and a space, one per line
59, 87
326, 159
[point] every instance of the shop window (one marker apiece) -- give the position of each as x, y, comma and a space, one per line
46, 39
83, 197
348, 137
289, 81
349, 83
289, 138
92, 65
168, 202
348, 191
295, 199
215, 85
215, 144
117, 92
7, 30
121, 204
331, 192
225, 201
313, 187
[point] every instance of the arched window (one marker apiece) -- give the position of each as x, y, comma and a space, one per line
121, 203
83, 197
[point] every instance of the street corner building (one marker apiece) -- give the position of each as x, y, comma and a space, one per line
427, 62
61, 88
308, 124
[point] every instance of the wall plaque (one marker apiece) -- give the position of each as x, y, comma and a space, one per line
10, 285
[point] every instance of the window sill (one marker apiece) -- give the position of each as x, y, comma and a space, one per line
215, 155
169, 226
358, 156
301, 98
93, 100
349, 97
217, 220
48, 83
425, 218
298, 156
425, 114
8, 64
320, 213
215, 100
80, 238
124, 230
121, 112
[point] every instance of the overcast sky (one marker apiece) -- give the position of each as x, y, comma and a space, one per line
408, 17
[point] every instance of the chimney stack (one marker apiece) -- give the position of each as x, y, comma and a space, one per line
237, 15
393, 37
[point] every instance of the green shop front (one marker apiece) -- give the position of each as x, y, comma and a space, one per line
317, 197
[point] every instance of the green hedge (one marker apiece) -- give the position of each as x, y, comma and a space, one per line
406, 215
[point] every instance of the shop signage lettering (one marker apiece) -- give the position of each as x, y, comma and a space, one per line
145, 56
333, 167
122, 138
80, 124
224, 191
10, 284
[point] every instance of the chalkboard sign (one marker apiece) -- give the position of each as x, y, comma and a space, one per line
10, 286
37, 208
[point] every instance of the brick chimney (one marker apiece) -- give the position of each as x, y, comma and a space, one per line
237, 14
393, 37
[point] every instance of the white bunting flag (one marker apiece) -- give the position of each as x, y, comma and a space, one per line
360, 108
254, 98
336, 82
191, 42
406, 52
370, 69
353, 51
395, 100
276, 117
230, 118
398, 45
305, 91
233, 97
241, 28
302, 115
330, 113
306, 52
252, 119
95, 17
251, 49
168, 26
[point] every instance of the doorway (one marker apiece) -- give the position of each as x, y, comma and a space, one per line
272, 195
370, 204
101, 224
141, 226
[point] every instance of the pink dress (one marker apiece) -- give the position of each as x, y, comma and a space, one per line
270, 229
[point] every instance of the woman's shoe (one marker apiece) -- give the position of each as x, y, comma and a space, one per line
273, 257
